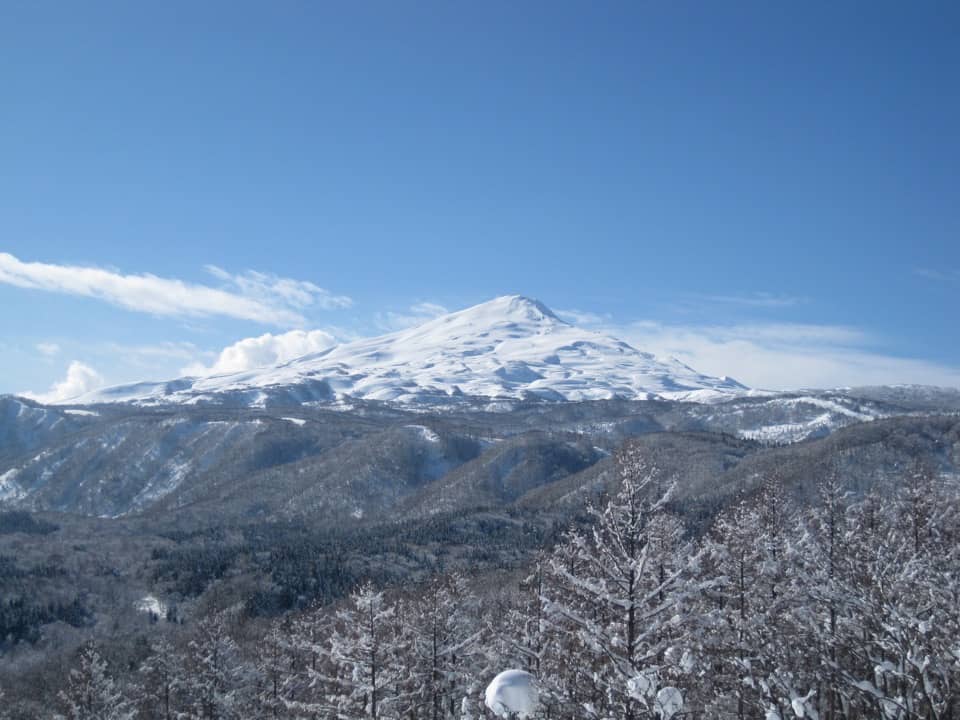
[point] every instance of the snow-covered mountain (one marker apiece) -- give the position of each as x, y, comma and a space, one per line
511, 347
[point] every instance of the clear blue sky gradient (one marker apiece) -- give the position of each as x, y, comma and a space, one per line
625, 158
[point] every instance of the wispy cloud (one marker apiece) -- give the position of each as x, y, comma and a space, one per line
149, 355
253, 296
775, 355
756, 300
786, 356
582, 317
943, 275
416, 314
48, 349
271, 288
80, 379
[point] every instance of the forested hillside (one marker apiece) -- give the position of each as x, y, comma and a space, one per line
842, 608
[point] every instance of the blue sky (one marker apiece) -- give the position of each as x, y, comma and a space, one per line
767, 190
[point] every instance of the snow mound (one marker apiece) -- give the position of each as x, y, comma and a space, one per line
512, 692
669, 702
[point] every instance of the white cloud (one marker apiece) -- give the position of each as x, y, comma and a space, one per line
153, 358
428, 309
80, 379
780, 356
253, 296
169, 350
949, 275
265, 350
757, 299
48, 349
785, 356
582, 317
272, 288
417, 314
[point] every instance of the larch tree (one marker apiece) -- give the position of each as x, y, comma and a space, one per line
220, 683
444, 636
618, 592
364, 656
163, 677
92, 693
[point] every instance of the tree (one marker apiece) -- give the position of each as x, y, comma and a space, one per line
360, 666
163, 677
521, 628
311, 678
737, 556
617, 593
443, 644
273, 668
219, 682
92, 694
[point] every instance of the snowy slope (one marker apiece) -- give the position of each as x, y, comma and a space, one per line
510, 347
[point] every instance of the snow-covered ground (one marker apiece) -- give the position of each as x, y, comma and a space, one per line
151, 604
9, 489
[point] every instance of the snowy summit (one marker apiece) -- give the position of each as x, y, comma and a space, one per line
511, 347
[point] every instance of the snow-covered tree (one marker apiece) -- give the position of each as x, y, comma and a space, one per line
617, 596
825, 608
898, 660
737, 557
4, 715
163, 678
359, 670
876, 609
521, 628
304, 688
443, 644
219, 682
92, 693
274, 665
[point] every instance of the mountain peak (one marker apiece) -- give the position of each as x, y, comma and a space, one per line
508, 308
511, 347
532, 308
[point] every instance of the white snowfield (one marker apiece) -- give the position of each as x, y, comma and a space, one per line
512, 693
510, 347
